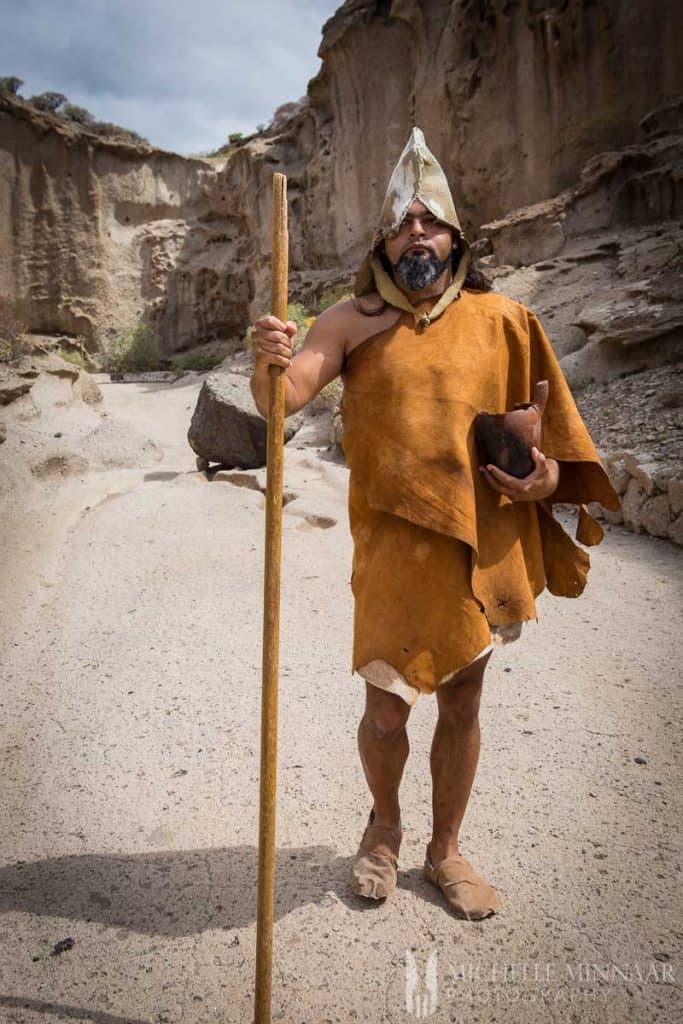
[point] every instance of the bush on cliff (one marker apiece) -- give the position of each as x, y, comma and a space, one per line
136, 348
49, 101
10, 85
78, 114
331, 296
12, 328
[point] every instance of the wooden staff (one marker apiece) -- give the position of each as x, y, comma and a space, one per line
271, 622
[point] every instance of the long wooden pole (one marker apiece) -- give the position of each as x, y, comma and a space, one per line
271, 623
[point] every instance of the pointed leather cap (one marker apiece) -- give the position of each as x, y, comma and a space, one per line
417, 175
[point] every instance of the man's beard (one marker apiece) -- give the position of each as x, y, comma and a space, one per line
417, 270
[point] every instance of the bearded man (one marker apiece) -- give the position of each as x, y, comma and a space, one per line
449, 555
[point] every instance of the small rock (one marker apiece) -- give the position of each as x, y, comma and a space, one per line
640, 760
63, 946
632, 503
676, 530
656, 516
675, 494
644, 475
226, 426
632, 460
663, 475
613, 516
87, 387
619, 476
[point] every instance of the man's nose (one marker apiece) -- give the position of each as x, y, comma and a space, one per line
416, 227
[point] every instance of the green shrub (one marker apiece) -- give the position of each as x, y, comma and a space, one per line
136, 348
331, 296
10, 85
332, 393
234, 137
12, 327
297, 312
49, 101
114, 131
73, 356
202, 362
78, 114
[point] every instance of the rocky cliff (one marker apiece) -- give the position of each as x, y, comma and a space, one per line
602, 262
75, 217
514, 97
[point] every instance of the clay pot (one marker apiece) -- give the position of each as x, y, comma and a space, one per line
505, 439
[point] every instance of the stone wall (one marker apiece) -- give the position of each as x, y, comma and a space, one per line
651, 495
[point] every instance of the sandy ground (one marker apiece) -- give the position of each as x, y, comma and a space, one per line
131, 633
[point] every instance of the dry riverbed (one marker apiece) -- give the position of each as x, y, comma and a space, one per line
131, 632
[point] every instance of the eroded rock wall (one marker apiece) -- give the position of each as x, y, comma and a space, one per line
602, 262
513, 95
75, 213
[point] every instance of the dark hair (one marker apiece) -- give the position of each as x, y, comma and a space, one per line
475, 280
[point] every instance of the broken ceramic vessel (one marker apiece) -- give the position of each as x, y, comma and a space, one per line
505, 439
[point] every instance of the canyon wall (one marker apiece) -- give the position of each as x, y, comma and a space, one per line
75, 213
514, 97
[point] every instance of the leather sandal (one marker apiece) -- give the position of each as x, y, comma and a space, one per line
373, 873
467, 893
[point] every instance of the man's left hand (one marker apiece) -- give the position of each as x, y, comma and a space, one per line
539, 484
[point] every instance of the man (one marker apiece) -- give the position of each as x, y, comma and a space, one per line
448, 555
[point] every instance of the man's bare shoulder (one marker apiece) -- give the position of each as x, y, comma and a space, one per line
352, 320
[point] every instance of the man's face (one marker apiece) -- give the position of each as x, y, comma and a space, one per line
421, 249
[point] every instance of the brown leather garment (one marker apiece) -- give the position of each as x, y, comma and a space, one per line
434, 545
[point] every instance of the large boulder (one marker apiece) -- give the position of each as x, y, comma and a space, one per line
226, 427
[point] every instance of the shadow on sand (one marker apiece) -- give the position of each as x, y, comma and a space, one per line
173, 893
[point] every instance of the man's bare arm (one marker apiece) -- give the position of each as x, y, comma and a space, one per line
317, 363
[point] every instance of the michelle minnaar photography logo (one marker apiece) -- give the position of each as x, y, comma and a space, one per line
421, 986
424, 983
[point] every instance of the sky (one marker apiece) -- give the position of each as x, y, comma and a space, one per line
181, 73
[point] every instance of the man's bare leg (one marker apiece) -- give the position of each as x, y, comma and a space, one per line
454, 758
383, 746
455, 754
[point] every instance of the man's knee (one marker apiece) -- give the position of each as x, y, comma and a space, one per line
385, 714
459, 699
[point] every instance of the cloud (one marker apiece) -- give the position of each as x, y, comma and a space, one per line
182, 74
